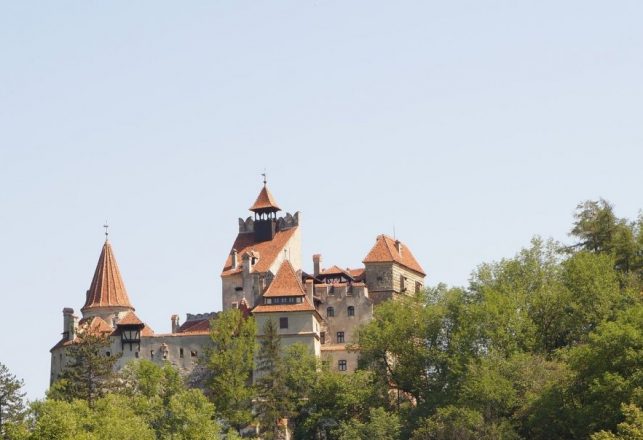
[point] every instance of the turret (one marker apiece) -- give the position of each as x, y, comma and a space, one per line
265, 209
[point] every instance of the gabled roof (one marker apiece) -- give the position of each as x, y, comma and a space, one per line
94, 325
265, 201
197, 326
285, 283
130, 318
107, 288
385, 251
335, 270
268, 250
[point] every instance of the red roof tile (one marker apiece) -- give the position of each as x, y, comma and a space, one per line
107, 288
94, 325
130, 318
385, 251
265, 201
335, 270
268, 250
285, 283
195, 326
301, 307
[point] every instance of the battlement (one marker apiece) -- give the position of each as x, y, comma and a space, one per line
285, 222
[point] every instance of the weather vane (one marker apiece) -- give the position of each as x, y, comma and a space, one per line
265, 179
106, 226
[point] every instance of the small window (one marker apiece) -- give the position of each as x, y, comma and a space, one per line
340, 337
379, 278
108, 354
193, 353
136, 354
181, 353
341, 365
350, 311
283, 322
151, 354
235, 305
402, 283
238, 289
330, 312
322, 337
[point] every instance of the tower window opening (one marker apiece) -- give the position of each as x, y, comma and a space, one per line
181, 353
350, 311
340, 337
342, 365
330, 312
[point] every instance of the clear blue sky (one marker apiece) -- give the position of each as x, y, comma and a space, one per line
469, 126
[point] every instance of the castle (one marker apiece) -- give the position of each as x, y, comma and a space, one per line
262, 276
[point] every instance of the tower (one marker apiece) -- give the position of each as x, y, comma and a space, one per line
264, 241
107, 297
265, 209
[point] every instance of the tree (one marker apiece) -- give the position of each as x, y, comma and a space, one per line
630, 429
230, 364
381, 425
456, 423
272, 394
90, 374
335, 398
11, 403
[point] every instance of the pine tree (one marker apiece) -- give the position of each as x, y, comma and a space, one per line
272, 393
230, 364
90, 374
11, 403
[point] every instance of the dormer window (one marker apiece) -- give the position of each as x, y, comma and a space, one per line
131, 336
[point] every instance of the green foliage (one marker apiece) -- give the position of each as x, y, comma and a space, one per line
90, 374
335, 399
381, 425
11, 402
272, 403
455, 423
630, 429
111, 418
158, 395
230, 364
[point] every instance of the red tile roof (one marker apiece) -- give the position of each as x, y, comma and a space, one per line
285, 283
356, 273
130, 318
195, 326
335, 270
268, 250
107, 288
385, 251
265, 201
94, 325
304, 306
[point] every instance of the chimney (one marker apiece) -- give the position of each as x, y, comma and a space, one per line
317, 258
69, 324
175, 323
398, 245
309, 291
235, 258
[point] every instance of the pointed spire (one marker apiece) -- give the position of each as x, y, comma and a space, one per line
107, 288
265, 201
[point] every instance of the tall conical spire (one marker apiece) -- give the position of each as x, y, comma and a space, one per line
107, 288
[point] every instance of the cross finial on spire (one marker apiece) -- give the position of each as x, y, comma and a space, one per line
106, 231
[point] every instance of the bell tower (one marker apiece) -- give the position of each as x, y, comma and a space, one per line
265, 209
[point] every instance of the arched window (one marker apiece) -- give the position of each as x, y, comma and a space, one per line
351, 311
330, 312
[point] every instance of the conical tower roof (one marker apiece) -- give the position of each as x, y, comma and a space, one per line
107, 288
265, 201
